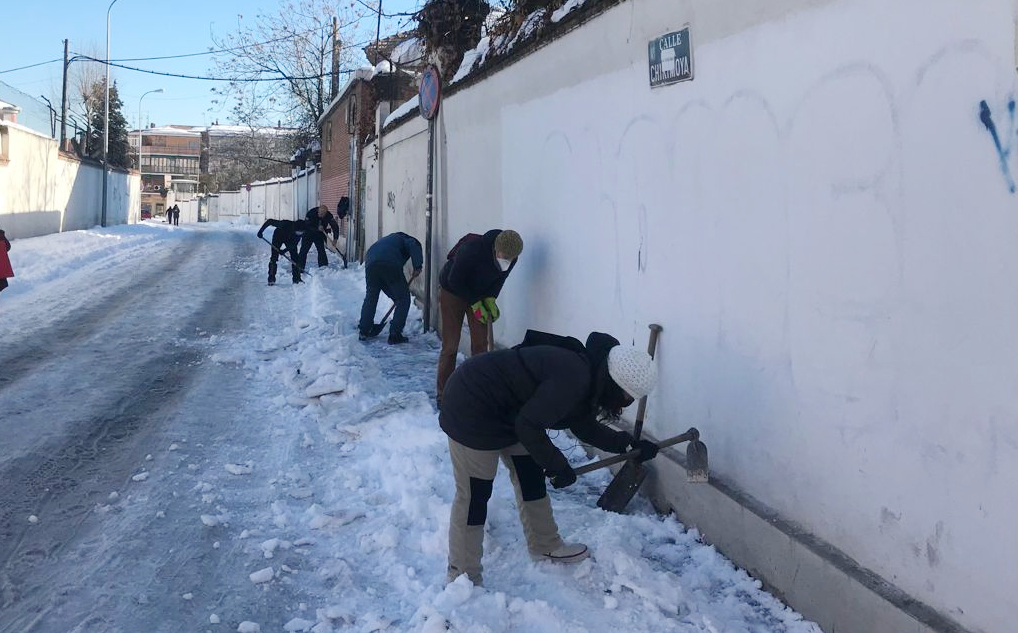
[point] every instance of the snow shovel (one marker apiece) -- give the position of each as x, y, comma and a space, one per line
376, 328
630, 477
286, 256
696, 459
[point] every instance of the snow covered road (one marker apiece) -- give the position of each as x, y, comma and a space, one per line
167, 466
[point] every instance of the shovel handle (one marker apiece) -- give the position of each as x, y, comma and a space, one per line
641, 408
689, 436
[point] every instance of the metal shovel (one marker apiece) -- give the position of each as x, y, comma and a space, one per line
376, 328
697, 470
630, 477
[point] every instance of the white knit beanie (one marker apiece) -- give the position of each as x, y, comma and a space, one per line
632, 369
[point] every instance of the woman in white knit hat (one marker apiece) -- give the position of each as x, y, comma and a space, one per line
500, 405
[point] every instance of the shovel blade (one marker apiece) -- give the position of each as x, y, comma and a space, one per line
377, 328
697, 471
623, 487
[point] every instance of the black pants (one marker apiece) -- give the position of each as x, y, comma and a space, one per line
289, 246
388, 278
316, 238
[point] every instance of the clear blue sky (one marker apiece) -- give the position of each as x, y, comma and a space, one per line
32, 32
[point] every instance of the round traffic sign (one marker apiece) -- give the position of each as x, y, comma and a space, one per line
430, 92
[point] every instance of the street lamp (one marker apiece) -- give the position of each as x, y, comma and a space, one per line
139, 125
106, 116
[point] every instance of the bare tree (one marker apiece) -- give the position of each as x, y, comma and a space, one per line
293, 46
85, 85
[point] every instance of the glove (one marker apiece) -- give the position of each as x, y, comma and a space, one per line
260, 235
480, 312
489, 304
564, 478
648, 450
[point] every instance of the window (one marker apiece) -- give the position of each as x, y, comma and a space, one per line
328, 135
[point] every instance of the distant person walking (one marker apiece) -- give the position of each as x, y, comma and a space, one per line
5, 261
176, 215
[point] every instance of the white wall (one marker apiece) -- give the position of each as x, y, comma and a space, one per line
42, 191
821, 223
280, 198
399, 201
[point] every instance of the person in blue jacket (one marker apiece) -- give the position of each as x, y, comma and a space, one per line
383, 272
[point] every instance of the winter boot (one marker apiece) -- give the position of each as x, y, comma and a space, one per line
395, 338
565, 553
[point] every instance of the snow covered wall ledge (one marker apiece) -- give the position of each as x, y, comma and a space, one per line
43, 191
824, 222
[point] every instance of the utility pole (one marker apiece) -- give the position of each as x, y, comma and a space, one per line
334, 90
63, 105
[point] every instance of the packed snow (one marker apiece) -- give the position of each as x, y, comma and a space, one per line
302, 478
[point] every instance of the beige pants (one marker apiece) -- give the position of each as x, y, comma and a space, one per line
474, 472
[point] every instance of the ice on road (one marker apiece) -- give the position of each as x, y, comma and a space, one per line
188, 449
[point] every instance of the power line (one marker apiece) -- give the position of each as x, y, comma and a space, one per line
31, 66
378, 11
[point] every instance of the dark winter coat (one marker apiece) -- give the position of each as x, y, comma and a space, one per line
395, 249
5, 262
323, 224
497, 399
473, 274
286, 231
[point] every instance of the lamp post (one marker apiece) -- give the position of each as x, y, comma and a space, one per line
106, 117
139, 124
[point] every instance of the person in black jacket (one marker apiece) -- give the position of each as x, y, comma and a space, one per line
320, 223
469, 283
285, 237
501, 405
383, 272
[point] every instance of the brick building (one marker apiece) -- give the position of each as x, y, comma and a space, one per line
349, 120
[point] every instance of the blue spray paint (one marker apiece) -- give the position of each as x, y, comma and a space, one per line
1003, 153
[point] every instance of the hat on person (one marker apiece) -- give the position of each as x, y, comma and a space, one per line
509, 243
632, 369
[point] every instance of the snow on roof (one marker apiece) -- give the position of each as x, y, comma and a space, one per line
364, 73
410, 51
226, 130
172, 130
5, 106
403, 109
562, 11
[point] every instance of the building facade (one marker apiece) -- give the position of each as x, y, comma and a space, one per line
168, 158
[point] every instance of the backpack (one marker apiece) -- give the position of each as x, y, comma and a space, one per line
469, 237
536, 337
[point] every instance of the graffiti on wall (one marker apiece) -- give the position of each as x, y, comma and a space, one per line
391, 200
1003, 137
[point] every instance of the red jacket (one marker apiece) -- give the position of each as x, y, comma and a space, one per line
5, 261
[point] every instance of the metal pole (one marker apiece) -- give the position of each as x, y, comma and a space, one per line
106, 117
427, 235
63, 104
139, 124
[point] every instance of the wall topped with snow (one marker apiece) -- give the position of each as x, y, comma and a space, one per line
823, 221
43, 192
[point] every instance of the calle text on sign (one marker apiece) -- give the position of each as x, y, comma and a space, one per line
671, 58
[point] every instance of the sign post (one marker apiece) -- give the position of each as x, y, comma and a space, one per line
430, 97
670, 58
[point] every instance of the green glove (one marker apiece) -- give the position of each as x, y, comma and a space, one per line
480, 312
489, 304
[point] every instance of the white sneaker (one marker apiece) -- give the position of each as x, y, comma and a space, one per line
565, 553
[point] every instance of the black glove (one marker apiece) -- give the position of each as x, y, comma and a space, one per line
648, 450
563, 478
260, 235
